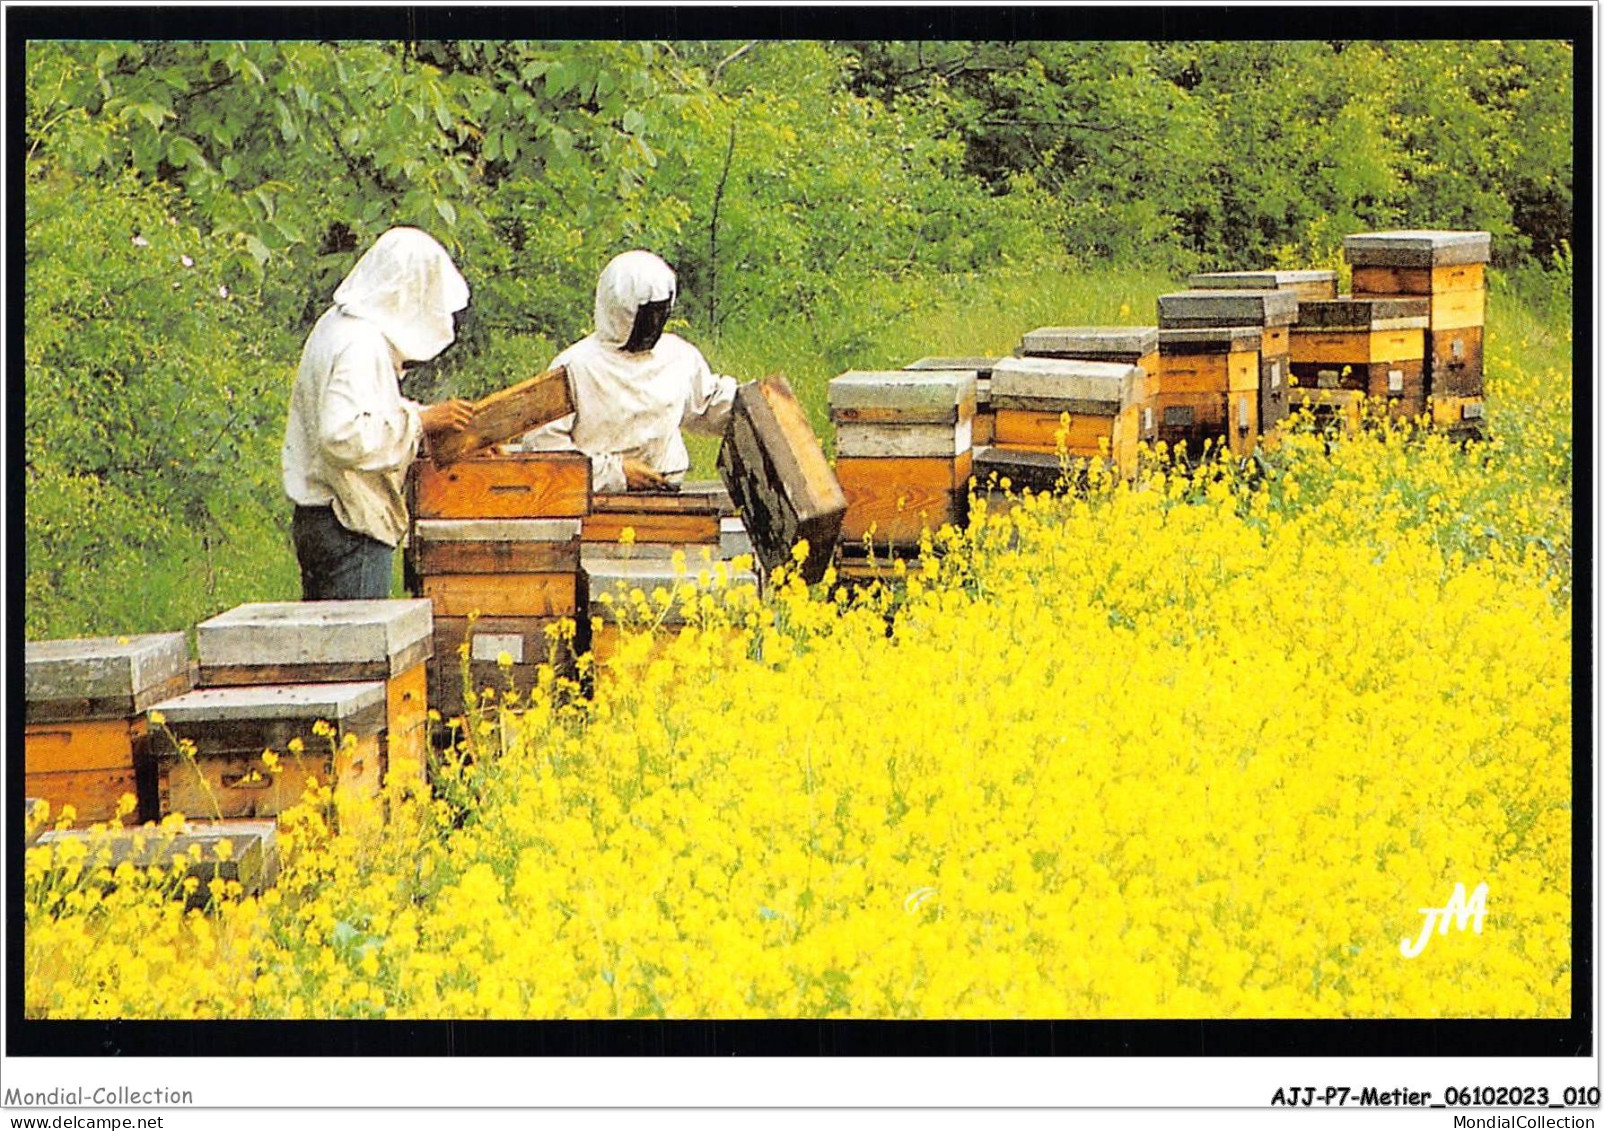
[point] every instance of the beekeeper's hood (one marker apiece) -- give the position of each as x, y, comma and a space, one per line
630, 280
407, 285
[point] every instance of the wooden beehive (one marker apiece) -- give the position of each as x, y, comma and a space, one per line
1454, 362
85, 741
1375, 346
903, 451
653, 516
981, 430
1209, 390
503, 484
253, 858
895, 500
777, 474
495, 545
1101, 400
1313, 284
230, 727
286, 642
609, 584
1446, 269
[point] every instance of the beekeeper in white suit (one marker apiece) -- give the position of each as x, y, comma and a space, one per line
635, 386
351, 434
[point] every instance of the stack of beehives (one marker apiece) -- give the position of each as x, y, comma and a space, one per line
269, 670
1223, 364
1119, 345
904, 453
495, 546
1446, 271
1363, 347
1057, 419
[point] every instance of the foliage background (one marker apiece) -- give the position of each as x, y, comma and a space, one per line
191, 206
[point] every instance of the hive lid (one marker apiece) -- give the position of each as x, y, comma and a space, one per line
903, 389
314, 632
334, 702
1348, 313
1417, 248
498, 529
1260, 280
1070, 340
1209, 308
105, 668
1061, 384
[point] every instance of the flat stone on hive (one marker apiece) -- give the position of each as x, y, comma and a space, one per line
913, 394
286, 633
124, 669
980, 366
1135, 340
1417, 248
1044, 384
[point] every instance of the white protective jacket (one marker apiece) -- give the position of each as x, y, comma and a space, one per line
351, 434
634, 404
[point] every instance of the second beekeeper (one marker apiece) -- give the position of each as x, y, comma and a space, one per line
634, 386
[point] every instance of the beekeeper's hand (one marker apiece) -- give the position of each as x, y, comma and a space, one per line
641, 477
447, 416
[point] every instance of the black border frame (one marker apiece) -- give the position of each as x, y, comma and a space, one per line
1571, 1036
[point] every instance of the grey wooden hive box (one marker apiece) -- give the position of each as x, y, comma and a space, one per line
1041, 384
1365, 314
1417, 248
315, 640
903, 396
1209, 308
104, 677
1313, 284
1077, 341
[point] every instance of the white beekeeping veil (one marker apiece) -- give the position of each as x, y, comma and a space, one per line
407, 285
630, 280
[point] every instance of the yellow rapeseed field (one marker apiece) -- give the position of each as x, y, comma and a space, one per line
1196, 747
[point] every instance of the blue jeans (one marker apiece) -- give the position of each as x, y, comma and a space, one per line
338, 564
